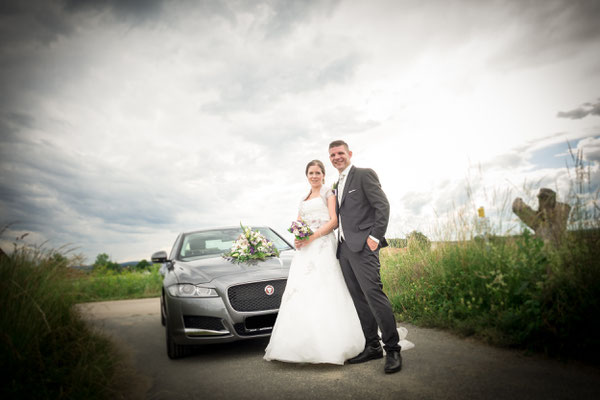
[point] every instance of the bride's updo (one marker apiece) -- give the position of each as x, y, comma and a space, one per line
318, 164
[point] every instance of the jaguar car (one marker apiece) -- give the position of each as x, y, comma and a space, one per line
208, 299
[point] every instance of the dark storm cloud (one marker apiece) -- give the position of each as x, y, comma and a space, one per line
26, 28
46, 189
547, 31
13, 122
29, 67
135, 8
26, 22
581, 112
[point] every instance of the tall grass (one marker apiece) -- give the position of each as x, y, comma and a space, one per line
46, 350
512, 291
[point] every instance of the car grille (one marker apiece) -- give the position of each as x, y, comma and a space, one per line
208, 323
256, 325
252, 296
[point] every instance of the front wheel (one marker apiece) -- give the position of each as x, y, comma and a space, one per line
174, 350
163, 318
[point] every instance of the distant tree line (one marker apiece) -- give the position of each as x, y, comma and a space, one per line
104, 263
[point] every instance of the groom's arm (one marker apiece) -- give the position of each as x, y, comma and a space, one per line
378, 200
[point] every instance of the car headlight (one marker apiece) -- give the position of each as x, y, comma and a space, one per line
189, 290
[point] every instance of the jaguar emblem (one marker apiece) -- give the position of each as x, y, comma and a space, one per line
269, 290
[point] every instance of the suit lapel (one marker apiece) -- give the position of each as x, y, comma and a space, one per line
347, 184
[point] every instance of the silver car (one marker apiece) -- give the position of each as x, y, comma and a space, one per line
208, 299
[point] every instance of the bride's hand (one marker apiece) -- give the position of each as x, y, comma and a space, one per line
302, 243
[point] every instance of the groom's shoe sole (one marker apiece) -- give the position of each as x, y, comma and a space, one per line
368, 354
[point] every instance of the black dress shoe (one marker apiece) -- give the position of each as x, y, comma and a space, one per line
369, 353
393, 362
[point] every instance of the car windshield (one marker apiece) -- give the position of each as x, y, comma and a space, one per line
218, 241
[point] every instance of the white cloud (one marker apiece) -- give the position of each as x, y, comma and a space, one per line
590, 149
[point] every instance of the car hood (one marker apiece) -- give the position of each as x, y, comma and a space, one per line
207, 269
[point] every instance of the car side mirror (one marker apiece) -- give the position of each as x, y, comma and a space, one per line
160, 257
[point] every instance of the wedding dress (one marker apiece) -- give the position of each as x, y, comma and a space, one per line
317, 321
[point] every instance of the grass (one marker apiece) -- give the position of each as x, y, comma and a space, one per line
511, 291
110, 285
47, 350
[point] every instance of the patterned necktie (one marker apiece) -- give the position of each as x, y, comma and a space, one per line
340, 188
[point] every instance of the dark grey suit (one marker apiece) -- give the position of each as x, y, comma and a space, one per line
365, 211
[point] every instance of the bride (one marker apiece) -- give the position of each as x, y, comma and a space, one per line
317, 321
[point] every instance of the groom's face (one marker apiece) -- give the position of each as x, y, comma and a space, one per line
340, 157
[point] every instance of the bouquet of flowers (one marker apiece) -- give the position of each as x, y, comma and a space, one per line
300, 229
251, 246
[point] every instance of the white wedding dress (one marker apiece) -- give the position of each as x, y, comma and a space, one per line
317, 321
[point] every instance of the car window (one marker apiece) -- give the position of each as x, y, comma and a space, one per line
275, 238
219, 244
218, 241
207, 243
173, 254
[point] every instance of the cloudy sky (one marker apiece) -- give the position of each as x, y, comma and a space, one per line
125, 122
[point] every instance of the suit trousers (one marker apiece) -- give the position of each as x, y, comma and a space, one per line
361, 273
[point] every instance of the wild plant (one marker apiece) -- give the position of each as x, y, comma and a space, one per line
508, 288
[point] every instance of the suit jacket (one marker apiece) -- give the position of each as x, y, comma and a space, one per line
364, 210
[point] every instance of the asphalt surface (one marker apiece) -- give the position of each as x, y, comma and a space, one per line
441, 366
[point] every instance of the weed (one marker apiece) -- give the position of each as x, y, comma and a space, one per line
46, 350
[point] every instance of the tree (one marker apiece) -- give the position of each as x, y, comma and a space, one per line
102, 259
143, 265
113, 266
103, 264
418, 241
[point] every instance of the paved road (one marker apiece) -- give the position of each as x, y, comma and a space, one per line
441, 366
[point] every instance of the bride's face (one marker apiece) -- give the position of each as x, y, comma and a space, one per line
315, 176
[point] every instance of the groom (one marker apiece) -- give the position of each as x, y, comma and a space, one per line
363, 213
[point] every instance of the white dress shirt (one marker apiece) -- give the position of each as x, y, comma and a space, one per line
340, 191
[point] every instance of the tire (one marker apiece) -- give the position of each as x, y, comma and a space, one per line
174, 350
163, 318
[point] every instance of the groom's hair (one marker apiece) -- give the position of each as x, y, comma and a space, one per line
337, 143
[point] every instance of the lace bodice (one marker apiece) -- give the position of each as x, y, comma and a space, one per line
314, 212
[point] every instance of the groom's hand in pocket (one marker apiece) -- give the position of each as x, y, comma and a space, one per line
372, 244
